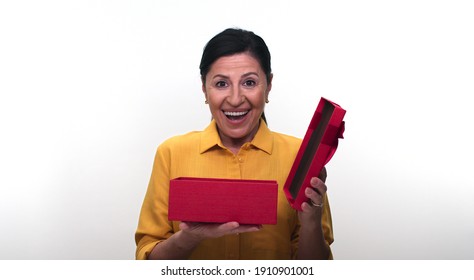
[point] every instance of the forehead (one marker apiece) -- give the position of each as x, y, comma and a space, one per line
236, 62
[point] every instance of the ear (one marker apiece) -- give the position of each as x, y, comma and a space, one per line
269, 86
203, 87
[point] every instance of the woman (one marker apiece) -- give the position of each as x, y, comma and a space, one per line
236, 81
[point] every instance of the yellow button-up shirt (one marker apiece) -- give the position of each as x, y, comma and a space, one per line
269, 156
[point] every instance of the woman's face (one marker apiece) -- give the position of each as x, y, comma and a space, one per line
236, 89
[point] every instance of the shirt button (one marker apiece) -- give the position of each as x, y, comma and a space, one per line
240, 159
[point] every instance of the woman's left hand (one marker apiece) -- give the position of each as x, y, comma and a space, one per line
312, 209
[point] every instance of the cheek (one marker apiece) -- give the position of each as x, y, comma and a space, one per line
258, 99
215, 102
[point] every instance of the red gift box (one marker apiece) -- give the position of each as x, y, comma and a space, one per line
318, 146
212, 200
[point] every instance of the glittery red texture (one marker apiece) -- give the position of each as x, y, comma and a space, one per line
223, 200
318, 146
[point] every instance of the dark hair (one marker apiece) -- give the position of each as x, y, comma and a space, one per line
233, 41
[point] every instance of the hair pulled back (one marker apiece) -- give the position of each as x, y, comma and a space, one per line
234, 41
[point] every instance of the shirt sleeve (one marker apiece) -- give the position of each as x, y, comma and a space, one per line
153, 225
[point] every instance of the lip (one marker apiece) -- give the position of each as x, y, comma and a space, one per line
236, 113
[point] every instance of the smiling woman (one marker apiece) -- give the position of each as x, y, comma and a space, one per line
236, 89
236, 81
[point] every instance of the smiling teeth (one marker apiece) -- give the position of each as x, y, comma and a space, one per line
235, 114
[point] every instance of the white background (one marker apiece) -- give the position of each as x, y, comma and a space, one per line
88, 89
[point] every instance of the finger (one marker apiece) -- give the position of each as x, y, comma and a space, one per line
185, 225
236, 228
313, 195
228, 227
248, 228
306, 208
314, 199
318, 185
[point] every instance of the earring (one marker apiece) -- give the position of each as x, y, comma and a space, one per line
266, 100
206, 102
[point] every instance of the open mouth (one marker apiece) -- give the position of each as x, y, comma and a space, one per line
235, 115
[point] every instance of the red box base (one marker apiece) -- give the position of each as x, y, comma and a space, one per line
223, 200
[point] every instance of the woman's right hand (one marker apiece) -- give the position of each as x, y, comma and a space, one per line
181, 244
203, 231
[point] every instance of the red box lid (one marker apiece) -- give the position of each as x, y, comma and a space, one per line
318, 146
214, 200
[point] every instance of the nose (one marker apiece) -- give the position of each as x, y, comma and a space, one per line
235, 97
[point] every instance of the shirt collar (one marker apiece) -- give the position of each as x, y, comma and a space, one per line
263, 140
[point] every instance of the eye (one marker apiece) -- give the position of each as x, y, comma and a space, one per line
250, 83
221, 84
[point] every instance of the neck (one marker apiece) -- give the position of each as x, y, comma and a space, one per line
234, 144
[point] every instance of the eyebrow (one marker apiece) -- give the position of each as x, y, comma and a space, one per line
243, 76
